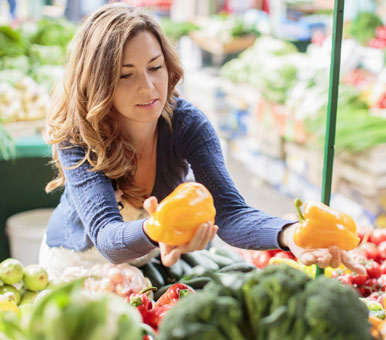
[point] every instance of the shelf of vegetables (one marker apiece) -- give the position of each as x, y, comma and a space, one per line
291, 100
31, 60
217, 293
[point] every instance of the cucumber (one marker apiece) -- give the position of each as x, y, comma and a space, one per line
198, 282
199, 259
175, 271
164, 272
186, 268
220, 260
238, 267
228, 252
150, 271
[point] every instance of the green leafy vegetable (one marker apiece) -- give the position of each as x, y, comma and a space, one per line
66, 313
11, 42
276, 303
52, 32
363, 26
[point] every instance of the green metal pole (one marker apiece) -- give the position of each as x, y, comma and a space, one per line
332, 105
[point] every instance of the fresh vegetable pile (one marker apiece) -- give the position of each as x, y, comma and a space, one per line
372, 254
21, 284
67, 313
210, 294
278, 302
192, 268
31, 61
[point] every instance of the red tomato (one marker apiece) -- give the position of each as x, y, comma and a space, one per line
273, 252
371, 286
373, 269
380, 32
383, 267
362, 291
358, 255
345, 279
358, 280
382, 250
364, 232
377, 296
260, 258
370, 250
283, 255
382, 282
378, 236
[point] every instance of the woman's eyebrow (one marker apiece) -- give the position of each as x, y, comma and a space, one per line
151, 60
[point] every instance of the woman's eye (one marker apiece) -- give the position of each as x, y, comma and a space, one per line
125, 76
155, 68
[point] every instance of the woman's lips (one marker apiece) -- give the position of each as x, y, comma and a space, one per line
148, 105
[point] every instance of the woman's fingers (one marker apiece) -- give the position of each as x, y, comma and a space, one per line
213, 233
150, 204
307, 258
169, 254
201, 238
198, 241
336, 256
351, 264
331, 257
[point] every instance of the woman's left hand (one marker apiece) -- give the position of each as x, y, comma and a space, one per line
171, 254
323, 257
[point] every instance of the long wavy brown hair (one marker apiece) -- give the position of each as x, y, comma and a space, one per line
82, 113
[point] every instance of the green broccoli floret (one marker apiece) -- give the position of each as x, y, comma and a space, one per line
334, 311
203, 316
281, 282
266, 295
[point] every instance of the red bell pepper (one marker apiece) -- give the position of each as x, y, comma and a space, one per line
173, 294
148, 337
154, 316
141, 301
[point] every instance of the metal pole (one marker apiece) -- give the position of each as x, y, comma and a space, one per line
332, 105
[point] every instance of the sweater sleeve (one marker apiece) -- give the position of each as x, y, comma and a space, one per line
239, 224
93, 196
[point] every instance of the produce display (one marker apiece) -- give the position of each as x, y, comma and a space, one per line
298, 82
31, 59
206, 293
278, 302
216, 293
67, 313
21, 284
23, 100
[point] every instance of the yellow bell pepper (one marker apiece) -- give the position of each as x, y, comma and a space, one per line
288, 262
179, 215
321, 227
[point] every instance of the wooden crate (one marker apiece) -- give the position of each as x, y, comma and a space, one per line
25, 128
216, 47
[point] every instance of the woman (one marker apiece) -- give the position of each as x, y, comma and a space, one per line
123, 139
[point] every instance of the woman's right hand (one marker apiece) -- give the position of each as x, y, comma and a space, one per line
171, 254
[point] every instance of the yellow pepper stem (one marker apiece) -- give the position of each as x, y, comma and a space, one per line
298, 203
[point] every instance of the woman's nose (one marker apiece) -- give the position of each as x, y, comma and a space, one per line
145, 84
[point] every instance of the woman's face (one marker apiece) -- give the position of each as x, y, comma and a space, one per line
142, 89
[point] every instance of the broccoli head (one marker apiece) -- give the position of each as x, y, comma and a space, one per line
334, 311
